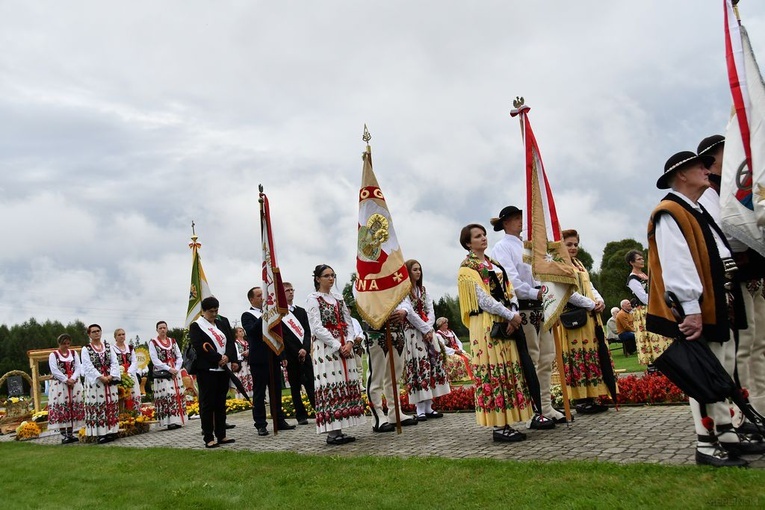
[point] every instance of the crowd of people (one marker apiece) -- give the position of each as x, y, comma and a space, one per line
716, 280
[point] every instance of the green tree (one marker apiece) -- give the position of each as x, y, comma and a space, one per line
449, 307
350, 301
614, 271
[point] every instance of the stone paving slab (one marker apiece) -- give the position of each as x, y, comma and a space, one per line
649, 434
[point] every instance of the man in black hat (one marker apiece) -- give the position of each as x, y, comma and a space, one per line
688, 255
509, 253
750, 352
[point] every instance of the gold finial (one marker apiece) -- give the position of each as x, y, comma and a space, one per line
518, 102
193, 232
260, 195
194, 244
366, 136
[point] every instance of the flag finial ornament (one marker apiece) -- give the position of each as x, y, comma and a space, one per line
367, 135
518, 102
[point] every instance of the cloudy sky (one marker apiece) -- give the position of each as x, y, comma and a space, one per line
121, 122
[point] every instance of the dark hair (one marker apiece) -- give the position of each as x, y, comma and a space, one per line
631, 255
156, 326
251, 293
317, 273
409, 264
94, 326
569, 233
63, 337
209, 303
465, 234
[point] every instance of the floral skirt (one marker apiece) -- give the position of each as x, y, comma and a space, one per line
101, 409
424, 371
501, 393
649, 345
581, 362
337, 390
169, 403
244, 375
65, 406
458, 368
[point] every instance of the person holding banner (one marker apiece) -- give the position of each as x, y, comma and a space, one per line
169, 403
297, 343
260, 354
211, 337
102, 372
338, 393
425, 373
581, 360
66, 412
486, 297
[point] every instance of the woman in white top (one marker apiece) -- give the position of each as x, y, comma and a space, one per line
66, 412
128, 365
102, 373
337, 388
169, 403
457, 361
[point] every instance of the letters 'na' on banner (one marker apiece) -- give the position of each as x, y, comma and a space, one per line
382, 279
199, 288
742, 189
550, 260
274, 298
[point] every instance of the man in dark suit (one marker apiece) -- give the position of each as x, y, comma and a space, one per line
260, 354
298, 354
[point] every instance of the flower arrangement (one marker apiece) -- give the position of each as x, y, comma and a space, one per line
40, 416
27, 430
235, 405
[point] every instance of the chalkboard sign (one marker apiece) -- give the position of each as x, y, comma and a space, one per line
15, 386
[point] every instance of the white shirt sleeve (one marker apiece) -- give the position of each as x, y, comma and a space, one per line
158, 365
88, 370
678, 270
413, 317
77, 365
638, 290
114, 368
318, 330
133, 368
491, 305
581, 301
441, 340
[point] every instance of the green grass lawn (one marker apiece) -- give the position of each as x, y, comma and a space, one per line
40, 476
629, 364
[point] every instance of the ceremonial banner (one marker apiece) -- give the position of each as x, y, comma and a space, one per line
382, 279
274, 299
743, 173
199, 287
550, 261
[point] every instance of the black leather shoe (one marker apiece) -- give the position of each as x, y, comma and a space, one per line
173, 426
71, 439
385, 427
591, 408
541, 422
748, 428
104, 440
508, 435
421, 417
744, 448
719, 459
230, 426
434, 414
262, 431
303, 421
285, 426
408, 422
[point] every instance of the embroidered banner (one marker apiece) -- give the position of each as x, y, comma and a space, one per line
199, 288
274, 299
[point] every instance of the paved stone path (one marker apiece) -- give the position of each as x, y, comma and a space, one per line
650, 434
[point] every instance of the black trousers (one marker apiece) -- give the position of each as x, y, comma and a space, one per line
213, 388
260, 382
301, 374
628, 341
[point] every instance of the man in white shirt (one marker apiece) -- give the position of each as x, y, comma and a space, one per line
750, 353
509, 253
687, 253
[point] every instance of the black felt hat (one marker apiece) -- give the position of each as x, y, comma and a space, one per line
505, 213
710, 144
681, 160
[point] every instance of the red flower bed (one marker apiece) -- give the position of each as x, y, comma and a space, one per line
648, 389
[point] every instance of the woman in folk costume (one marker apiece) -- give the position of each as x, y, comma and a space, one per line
243, 353
337, 388
581, 361
128, 365
649, 345
169, 404
101, 371
457, 361
66, 412
486, 296
424, 371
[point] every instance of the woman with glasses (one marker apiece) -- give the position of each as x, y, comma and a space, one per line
337, 388
102, 374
